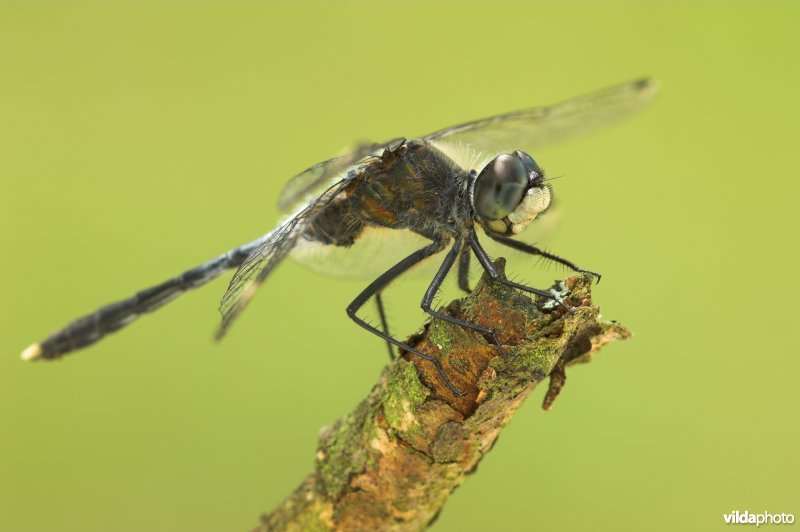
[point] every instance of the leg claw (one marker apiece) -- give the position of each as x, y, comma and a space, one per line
596, 275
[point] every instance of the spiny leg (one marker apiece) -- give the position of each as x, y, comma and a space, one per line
486, 262
533, 250
379, 284
438, 279
463, 271
384, 322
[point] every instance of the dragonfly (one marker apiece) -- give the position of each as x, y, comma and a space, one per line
443, 189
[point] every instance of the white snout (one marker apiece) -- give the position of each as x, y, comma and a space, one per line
536, 201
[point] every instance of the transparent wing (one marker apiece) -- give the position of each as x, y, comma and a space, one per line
273, 248
375, 250
379, 248
310, 182
472, 144
533, 128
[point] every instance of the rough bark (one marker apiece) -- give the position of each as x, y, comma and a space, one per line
392, 462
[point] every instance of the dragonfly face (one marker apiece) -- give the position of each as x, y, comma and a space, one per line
424, 187
509, 193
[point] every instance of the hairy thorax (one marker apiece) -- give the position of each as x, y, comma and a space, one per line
415, 187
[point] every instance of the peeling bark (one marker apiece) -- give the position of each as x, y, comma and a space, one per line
394, 460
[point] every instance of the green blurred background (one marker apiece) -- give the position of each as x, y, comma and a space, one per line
141, 138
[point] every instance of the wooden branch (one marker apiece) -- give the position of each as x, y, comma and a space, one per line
392, 462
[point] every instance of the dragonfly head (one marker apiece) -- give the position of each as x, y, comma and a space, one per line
509, 193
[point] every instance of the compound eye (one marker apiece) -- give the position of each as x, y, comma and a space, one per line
500, 187
530, 165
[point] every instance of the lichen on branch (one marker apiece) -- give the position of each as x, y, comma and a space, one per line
392, 462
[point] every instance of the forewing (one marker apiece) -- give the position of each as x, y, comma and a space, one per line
533, 128
274, 247
310, 182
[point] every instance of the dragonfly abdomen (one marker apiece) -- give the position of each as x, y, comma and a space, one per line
107, 319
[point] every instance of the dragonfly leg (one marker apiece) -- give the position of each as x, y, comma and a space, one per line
384, 321
438, 279
487, 265
533, 250
379, 284
463, 271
